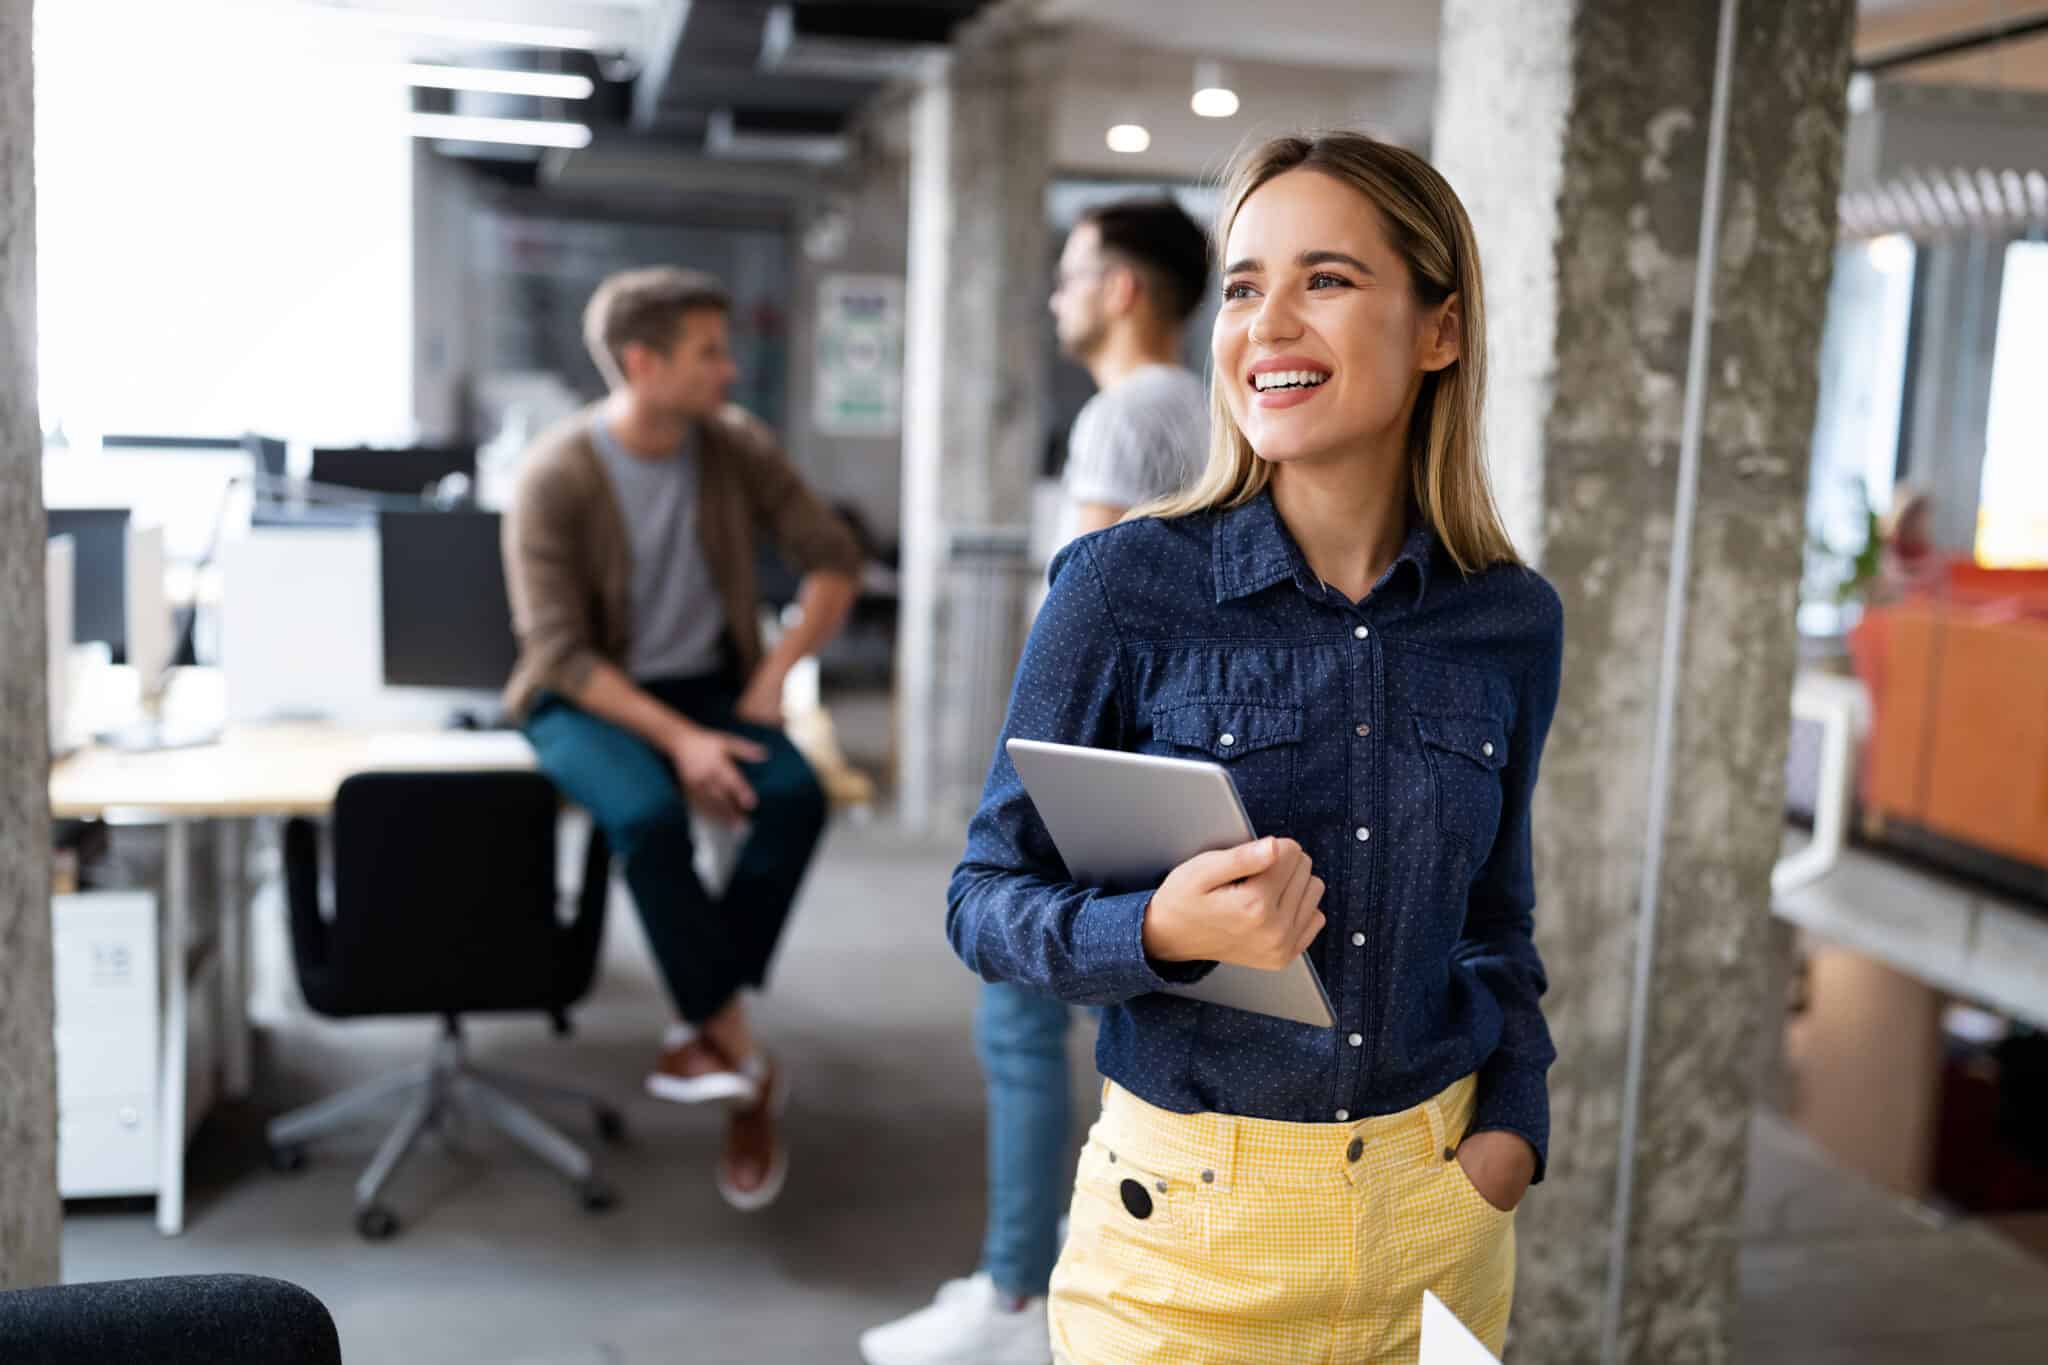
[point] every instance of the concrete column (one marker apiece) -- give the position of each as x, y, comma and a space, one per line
1622, 170
974, 382
29, 1211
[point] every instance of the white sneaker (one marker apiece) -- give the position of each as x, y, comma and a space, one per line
967, 1324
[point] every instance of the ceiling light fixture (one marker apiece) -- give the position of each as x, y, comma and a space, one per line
482, 32
1128, 138
1212, 98
515, 132
545, 85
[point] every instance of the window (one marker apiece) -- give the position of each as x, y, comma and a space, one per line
2012, 511
1856, 424
224, 224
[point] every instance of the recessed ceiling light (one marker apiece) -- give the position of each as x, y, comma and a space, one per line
1213, 98
546, 85
517, 132
1128, 138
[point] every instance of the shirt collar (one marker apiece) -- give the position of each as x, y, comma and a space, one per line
1253, 550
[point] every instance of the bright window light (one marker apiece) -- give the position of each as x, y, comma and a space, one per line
545, 85
1891, 254
1129, 138
517, 132
2012, 512
225, 323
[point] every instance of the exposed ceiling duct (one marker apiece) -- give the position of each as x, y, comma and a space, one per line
783, 139
827, 50
781, 81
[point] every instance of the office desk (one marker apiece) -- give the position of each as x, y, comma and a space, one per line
250, 772
269, 771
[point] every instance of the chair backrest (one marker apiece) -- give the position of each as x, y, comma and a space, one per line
176, 1320
445, 899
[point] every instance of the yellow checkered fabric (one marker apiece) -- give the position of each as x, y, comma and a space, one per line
1208, 1238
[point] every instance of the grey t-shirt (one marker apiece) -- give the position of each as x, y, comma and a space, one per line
677, 616
1137, 440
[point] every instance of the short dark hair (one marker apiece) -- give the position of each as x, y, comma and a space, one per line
1166, 246
647, 306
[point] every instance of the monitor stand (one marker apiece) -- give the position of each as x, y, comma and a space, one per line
470, 718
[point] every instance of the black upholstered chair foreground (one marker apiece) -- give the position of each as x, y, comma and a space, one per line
444, 904
180, 1320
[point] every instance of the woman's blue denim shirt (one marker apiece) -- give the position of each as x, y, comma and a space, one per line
1397, 739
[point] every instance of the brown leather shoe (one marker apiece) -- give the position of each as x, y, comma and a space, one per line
696, 1072
755, 1161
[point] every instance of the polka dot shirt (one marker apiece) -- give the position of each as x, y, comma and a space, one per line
1397, 739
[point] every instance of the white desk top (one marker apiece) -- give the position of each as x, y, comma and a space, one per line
296, 769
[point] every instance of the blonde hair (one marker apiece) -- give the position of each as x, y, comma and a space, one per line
1428, 228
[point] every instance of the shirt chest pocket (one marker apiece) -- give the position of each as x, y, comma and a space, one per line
1255, 741
1466, 754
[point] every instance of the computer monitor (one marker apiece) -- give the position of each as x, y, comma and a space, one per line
99, 540
447, 621
57, 603
407, 472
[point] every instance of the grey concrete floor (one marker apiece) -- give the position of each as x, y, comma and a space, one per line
870, 1011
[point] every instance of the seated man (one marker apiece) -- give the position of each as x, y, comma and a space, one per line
642, 682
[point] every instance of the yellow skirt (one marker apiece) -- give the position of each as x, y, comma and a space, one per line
1209, 1238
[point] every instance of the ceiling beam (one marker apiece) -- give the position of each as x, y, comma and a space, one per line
669, 23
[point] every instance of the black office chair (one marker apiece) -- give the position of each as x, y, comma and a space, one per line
444, 902
175, 1320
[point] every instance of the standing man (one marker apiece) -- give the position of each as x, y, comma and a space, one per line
642, 682
1130, 276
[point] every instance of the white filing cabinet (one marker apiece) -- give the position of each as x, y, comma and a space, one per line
107, 1042
110, 1036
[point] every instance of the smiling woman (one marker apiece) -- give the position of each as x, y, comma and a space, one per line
1397, 257
1334, 613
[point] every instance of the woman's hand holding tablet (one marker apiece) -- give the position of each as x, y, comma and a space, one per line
1256, 905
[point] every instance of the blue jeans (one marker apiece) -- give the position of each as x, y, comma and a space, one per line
1021, 1038
707, 949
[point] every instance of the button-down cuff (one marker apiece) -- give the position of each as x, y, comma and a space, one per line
1515, 1100
1109, 944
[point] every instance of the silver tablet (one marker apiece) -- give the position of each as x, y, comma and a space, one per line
1123, 821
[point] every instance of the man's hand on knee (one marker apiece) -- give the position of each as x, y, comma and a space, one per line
707, 763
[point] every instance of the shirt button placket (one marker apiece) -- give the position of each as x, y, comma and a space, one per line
1361, 836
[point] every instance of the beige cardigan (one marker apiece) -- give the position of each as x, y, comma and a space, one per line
568, 567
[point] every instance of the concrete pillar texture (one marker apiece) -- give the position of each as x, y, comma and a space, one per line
29, 1211
975, 378
1654, 194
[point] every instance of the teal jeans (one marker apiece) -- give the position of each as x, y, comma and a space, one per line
707, 947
